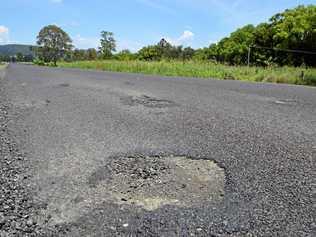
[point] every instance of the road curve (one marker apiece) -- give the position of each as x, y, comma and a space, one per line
69, 123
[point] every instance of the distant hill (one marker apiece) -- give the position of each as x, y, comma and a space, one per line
13, 49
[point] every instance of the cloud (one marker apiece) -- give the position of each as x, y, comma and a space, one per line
85, 42
4, 35
186, 37
128, 44
56, 1
158, 5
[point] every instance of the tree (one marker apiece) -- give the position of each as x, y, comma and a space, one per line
187, 53
108, 44
79, 54
19, 57
53, 43
292, 29
125, 55
149, 53
296, 29
91, 54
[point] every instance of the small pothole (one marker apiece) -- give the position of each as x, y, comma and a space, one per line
286, 102
64, 85
147, 101
152, 182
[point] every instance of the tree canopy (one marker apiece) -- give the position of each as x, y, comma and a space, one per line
108, 44
53, 43
288, 38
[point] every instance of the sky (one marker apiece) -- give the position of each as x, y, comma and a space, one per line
136, 23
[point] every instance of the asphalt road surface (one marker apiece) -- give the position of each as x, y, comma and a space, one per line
87, 137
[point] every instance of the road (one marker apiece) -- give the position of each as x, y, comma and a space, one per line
83, 131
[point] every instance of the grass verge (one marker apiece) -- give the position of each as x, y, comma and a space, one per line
2, 65
289, 75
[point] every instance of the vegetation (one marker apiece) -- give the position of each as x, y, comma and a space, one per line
273, 49
53, 43
200, 69
16, 52
108, 44
288, 38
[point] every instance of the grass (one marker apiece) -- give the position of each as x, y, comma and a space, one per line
2, 65
289, 75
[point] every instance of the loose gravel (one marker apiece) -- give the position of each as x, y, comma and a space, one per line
18, 211
153, 182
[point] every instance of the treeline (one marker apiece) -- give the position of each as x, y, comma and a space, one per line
16, 53
162, 51
19, 57
288, 38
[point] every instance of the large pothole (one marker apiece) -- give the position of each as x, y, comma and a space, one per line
152, 182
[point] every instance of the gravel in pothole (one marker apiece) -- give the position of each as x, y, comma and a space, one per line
152, 182
147, 101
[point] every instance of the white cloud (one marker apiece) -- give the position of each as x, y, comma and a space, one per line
186, 37
128, 44
56, 1
85, 42
4, 35
161, 6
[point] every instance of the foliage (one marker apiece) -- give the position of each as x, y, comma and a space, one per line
12, 50
149, 53
91, 54
165, 51
108, 44
290, 75
53, 44
125, 55
268, 44
16, 53
293, 29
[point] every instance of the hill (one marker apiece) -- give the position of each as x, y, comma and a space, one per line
13, 49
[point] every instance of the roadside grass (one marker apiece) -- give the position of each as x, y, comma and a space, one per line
289, 75
2, 65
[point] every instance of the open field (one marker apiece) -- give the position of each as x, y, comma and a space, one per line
289, 75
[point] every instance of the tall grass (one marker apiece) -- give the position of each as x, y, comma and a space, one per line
288, 75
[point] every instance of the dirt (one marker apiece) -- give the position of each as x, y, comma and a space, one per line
147, 101
152, 182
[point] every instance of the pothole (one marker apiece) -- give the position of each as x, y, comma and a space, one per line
286, 102
152, 182
64, 85
147, 101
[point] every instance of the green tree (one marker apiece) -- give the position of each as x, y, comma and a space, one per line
187, 53
79, 54
19, 57
125, 55
53, 43
296, 29
149, 53
234, 49
108, 44
91, 54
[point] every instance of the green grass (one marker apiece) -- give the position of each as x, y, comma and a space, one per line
289, 75
2, 65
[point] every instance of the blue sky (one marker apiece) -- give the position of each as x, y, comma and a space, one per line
135, 23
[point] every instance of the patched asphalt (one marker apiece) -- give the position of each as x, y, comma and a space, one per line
69, 125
